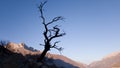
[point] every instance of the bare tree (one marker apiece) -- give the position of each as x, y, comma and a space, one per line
49, 33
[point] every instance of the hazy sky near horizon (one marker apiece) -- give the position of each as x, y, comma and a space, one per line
92, 26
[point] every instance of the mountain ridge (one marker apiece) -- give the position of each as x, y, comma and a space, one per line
13, 53
19, 53
108, 61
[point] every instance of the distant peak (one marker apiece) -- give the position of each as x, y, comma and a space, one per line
112, 55
12, 45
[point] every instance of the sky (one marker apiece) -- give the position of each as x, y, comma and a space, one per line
92, 26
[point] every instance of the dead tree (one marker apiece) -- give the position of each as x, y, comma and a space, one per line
49, 33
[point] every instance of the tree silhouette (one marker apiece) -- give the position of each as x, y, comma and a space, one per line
49, 33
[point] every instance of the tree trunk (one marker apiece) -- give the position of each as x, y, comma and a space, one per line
42, 55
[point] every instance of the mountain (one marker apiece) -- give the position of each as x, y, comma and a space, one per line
29, 48
110, 61
14, 55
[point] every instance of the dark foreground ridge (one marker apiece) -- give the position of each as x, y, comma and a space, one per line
12, 56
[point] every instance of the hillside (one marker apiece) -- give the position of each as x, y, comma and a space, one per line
110, 61
14, 55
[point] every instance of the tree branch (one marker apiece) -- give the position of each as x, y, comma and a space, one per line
56, 19
41, 11
55, 44
42, 44
43, 19
58, 48
57, 35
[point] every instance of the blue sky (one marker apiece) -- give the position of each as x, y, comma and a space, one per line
92, 26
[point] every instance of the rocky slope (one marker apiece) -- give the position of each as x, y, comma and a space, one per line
18, 56
109, 61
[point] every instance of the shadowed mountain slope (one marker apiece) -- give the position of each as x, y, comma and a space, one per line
17, 56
